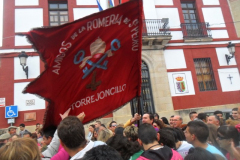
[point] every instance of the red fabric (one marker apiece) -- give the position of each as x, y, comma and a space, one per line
123, 1
117, 33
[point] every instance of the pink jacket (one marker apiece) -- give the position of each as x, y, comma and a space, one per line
61, 155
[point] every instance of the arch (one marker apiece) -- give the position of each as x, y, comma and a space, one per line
146, 99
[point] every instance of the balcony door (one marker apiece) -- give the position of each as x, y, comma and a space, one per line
191, 26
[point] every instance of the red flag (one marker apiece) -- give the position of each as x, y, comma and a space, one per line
123, 1
93, 65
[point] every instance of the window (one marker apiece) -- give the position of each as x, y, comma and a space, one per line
58, 14
146, 100
189, 12
205, 76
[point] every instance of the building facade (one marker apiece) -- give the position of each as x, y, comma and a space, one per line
184, 55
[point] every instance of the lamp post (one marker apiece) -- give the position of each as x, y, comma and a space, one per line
23, 61
231, 50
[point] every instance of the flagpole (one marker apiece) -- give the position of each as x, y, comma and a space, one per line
139, 106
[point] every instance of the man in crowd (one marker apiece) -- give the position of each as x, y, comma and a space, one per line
235, 113
12, 130
197, 134
214, 119
112, 126
156, 116
148, 138
203, 117
171, 121
48, 134
72, 137
22, 130
27, 135
97, 124
220, 115
147, 118
193, 115
4, 138
178, 122
38, 127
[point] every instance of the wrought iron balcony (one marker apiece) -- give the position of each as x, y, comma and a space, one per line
196, 30
155, 27
155, 33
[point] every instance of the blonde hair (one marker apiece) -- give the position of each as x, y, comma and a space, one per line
20, 149
104, 135
131, 132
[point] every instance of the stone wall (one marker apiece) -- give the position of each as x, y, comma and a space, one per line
235, 10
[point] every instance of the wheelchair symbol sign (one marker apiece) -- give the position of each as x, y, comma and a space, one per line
11, 111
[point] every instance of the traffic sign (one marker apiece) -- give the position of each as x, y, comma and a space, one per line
11, 111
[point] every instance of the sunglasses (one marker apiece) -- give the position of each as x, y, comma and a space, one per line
114, 125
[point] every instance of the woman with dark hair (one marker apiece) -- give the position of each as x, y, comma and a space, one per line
91, 130
165, 121
127, 149
157, 124
228, 139
199, 154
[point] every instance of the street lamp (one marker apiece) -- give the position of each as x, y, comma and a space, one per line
231, 49
23, 61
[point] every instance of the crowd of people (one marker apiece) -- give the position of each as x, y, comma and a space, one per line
202, 138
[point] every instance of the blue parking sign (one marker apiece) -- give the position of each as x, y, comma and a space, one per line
11, 111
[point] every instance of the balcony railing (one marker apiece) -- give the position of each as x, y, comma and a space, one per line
155, 27
195, 30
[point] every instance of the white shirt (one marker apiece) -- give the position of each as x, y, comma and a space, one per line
184, 148
89, 146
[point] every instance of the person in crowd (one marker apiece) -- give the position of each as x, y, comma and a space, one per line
167, 138
4, 138
214, 119
220, 115
15, 136
131, 132
156, 116
48, 134
20, 149
193, 115
235, 113
95, 134
234, 120
165, 121
171, 121
102, 152
104, 135
147, 118
157, 124
90, 133
72, 137
97, 124
148, 138
38, 127
203, 117
228, 139
127, 149
119, 130
197, 133
112, 126
212, 138
39, 136
181, 145
22, 129
178, 122
135, 118
199, 154
12, 130
27, 135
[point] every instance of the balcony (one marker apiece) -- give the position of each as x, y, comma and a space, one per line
196, 32
155, 34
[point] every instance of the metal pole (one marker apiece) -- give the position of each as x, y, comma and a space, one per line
139, 106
